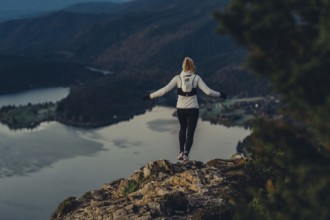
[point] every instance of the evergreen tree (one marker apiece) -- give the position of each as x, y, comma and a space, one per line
288, 42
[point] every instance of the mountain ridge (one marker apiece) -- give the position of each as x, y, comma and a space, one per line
13, 10
89, 38
101, 7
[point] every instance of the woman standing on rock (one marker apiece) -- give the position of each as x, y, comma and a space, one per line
187, 104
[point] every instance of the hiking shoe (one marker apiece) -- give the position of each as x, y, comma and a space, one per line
180, 157
185, 157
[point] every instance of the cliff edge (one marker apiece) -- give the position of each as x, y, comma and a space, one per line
163, 190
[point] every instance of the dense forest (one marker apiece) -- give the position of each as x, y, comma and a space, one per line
21, 73
104, 101
289, 161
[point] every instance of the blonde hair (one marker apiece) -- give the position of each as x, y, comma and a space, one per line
188, 65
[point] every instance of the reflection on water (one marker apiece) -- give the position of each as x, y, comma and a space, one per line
162, 125
42, 167
124, 143
25, 152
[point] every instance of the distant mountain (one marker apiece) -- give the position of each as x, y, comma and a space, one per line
92, 7
16, 9
14, 14
152, 33
43, 5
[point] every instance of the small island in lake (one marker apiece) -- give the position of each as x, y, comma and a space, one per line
28, 116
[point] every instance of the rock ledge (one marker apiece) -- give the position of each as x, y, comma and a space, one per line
162, 190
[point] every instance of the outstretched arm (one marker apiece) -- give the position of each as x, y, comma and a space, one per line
206, 89
172, 84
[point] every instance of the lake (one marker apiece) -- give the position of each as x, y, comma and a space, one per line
40, 168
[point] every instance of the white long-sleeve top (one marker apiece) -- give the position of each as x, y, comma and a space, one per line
185, 102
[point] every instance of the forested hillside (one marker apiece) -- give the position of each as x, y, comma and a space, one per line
21, 73
149, 37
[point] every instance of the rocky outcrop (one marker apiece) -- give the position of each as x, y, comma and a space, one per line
162, 190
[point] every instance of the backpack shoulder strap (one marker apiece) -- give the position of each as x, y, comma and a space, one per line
180, 81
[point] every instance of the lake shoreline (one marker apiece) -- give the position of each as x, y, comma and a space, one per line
234, 112
58, 161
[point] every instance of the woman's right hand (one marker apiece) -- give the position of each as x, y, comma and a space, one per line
145, 97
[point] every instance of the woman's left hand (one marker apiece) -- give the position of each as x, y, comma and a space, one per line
223, 95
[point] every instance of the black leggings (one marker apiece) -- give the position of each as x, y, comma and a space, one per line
188, 120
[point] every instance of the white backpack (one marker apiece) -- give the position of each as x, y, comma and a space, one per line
187, 82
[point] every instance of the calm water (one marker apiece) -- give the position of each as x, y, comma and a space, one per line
40, 168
